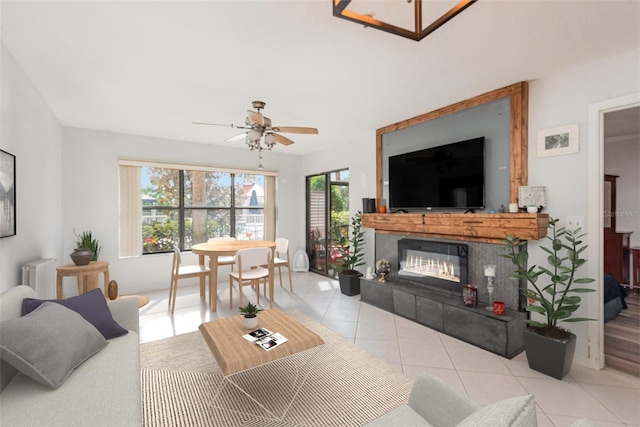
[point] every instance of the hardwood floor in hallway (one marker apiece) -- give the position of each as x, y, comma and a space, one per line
622, 338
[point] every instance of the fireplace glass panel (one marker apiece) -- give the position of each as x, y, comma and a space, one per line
438, 264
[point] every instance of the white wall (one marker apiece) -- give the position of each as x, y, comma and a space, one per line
90, 196
565, 99
29, 131
359, 156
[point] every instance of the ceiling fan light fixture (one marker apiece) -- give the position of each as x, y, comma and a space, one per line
270, 140
253, 135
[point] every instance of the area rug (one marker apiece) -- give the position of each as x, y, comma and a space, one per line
338, 385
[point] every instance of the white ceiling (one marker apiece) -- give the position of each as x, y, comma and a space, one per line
151, 68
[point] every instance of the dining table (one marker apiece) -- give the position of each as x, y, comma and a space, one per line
229, 248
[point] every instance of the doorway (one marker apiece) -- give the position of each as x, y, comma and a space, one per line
327, 215
621, 156
596, 171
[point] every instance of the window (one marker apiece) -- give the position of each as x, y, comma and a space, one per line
167, 205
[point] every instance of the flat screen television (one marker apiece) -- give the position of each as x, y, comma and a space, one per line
443, 177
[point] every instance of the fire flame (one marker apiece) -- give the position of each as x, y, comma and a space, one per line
431, 267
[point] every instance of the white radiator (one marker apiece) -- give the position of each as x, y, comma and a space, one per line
41, 276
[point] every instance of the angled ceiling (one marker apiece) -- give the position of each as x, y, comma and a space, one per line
151, 68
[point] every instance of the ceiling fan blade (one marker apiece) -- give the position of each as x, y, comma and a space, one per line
295, 129
218, 124
212, 124
236, 138
255, 117
282, 139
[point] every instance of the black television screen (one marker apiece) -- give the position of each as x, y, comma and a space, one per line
447, 176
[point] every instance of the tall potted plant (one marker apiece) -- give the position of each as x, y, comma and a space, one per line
352, 256
552, 294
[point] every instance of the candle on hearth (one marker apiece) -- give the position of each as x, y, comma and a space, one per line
490, 270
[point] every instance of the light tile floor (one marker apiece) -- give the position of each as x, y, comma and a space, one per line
608, 397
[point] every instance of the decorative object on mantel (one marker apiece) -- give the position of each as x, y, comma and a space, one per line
370, 274
558, 141
352, 255
549, 347
383, 267
513, 208
532, 209
470, 295
532, 196
490, 273
411, 10
499, 308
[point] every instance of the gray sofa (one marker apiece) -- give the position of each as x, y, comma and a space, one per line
104, 390
434, 403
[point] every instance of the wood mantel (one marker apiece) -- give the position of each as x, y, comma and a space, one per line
479, 227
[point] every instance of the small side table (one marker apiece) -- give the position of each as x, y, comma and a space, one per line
87, 276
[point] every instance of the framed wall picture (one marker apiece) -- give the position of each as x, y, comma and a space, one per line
536, 196
7, 194
558, 141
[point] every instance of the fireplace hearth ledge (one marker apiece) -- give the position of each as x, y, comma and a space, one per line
446, 313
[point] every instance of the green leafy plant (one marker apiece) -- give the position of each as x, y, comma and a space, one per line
86, 240
249, 310
552, 292
350, 248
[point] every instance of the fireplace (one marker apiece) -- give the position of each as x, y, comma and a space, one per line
439, 264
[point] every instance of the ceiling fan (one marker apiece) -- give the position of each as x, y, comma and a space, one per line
258, 126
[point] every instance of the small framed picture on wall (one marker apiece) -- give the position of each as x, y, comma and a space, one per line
558, 141
7, 194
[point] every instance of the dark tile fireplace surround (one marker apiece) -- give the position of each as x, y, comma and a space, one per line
440, 307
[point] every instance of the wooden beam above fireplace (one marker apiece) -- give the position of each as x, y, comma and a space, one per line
479, 227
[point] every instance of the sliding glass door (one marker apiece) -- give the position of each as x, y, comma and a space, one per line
327, 215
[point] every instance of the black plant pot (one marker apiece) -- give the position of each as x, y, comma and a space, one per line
349, 282
550, 356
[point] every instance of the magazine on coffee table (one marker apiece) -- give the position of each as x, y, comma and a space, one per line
265, 338
253, 336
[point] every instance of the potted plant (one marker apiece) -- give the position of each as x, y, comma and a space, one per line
552, 294
250, 313
87, 248
351, 256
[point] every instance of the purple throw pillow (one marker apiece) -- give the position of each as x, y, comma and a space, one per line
92, 306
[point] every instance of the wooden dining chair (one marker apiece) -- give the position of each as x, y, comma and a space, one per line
281, 259
179, 271
250, 271
224, 259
